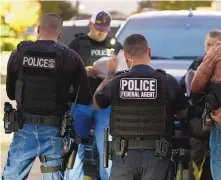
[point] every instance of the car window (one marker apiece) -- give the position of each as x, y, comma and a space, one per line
69, 32
179, 36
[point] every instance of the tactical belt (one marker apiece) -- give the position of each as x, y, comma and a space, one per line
41, 120
149, 144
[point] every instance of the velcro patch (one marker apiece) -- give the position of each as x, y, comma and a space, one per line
138, 88
39, 62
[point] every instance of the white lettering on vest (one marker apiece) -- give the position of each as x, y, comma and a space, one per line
138, 88
39, 62
102, 52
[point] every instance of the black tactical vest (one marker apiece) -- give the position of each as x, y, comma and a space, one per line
141, 107
37, 86
91, 53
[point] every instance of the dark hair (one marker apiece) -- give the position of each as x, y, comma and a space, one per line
216, 33
136, 45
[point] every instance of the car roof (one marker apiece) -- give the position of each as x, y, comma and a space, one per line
174, 13
114, 23
169, 13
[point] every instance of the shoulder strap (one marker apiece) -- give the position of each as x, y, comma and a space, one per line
119, 73
23, 44
61, 53
161, 70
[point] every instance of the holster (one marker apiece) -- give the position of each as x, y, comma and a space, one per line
196, 128
163, 148
119, 146
212, 101
12, 121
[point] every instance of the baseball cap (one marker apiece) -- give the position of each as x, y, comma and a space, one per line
101, 20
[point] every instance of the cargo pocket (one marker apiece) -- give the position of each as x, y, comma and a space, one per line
18, 144
57, 144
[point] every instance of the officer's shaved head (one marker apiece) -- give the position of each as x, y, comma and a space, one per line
136, 45
51, 24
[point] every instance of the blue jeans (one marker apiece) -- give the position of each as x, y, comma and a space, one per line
29, 143
215, 152
85, 115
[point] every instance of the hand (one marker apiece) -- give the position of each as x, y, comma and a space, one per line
112, 64
91, 71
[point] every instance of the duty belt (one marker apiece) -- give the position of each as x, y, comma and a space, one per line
141, 144
41, 120
134, 144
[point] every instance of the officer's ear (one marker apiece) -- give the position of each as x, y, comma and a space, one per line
149, 52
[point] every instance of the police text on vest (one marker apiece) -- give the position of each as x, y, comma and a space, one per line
39, 62
138, 88
102, 52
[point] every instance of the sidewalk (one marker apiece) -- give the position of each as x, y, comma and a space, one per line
4, 138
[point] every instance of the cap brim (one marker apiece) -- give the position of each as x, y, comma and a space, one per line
102, 27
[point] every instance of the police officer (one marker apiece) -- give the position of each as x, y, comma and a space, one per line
199, 166
39, 76
91, 47
143, 102
207, 79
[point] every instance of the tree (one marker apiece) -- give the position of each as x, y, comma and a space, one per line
63, 8
173, 5
20, 14
180, 5
146, 4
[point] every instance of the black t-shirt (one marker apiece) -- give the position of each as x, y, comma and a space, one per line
91, 50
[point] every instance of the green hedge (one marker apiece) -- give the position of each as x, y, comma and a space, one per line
10, 44
3, 79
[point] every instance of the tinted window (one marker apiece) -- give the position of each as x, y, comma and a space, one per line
170, 36
69, 32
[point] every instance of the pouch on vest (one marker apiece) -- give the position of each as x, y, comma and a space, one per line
19, 89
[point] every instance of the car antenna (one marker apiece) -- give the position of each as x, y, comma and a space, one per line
190, 12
